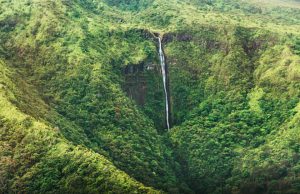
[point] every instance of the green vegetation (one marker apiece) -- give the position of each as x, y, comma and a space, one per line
35, 157
68, 126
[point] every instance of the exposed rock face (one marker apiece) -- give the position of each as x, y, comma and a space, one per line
169, 37
135, 83
138, 79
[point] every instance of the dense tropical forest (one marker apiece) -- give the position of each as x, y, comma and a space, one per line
83, 104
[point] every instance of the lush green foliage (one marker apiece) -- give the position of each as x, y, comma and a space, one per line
233, 94
67, 125
35, 157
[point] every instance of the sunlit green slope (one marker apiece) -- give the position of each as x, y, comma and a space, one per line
35, 157
68, 126
74, 68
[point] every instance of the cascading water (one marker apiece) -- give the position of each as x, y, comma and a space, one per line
163, 69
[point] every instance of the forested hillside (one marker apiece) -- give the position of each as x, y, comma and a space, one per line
82, 101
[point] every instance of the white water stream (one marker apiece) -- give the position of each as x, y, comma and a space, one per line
163, 70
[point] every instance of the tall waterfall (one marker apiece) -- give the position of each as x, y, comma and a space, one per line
163, 69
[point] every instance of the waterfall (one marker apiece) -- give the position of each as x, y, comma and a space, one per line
163, 70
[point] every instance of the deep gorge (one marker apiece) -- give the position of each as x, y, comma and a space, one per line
135, 84
83, 102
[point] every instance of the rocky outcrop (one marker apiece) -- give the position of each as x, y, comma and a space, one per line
135, 82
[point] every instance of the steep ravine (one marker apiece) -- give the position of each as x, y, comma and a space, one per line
140, 78
215, 76
83, 101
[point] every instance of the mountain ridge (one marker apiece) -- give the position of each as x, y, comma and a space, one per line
68, 126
